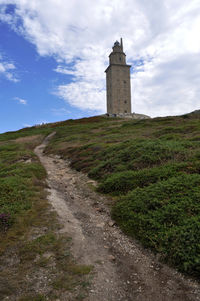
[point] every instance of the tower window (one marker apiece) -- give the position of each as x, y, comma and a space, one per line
125, 111
120, 58
124, 81
125, 101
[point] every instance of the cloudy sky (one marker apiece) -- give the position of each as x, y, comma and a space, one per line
53, 54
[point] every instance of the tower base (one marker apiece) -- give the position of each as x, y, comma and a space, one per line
128, 115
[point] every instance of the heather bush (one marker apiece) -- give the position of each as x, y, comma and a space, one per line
141, 154
165, 216
122, 182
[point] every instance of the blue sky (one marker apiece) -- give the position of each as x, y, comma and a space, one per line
53, 55
28, 98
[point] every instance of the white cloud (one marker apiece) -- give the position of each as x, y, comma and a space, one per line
7, 70
84, 95
79, 34
21, 100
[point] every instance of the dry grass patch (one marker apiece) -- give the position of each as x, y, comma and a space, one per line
30, 141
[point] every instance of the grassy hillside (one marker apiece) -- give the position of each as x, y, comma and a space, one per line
35, 260
150, 169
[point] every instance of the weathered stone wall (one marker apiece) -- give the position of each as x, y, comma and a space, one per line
118, 89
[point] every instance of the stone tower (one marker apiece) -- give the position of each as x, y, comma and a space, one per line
118, 82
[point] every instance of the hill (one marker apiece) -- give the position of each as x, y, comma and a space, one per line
149, 168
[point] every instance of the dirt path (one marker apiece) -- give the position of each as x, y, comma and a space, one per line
122, 269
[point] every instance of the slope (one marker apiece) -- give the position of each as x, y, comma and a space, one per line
149, 168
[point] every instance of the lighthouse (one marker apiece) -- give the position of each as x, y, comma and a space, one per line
118, 86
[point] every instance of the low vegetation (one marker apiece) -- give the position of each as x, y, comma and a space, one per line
34, 257
165, 216
149, 168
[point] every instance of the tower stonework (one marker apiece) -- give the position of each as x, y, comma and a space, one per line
118, 85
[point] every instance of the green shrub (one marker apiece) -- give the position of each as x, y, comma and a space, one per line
139, 154
122, 182
166, 217
104, 168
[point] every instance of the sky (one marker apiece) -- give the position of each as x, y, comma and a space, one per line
53, 54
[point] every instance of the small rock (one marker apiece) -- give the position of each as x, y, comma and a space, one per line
139, 289
92, 182
111, 223
111, 257
28, 161
100, 225
106, 247
47, 255
98, 209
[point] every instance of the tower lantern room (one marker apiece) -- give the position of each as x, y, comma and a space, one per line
117, 56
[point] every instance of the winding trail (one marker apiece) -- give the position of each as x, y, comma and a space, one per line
123, 270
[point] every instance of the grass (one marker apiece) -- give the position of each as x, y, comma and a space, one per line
18, 189
151, 167
32, 253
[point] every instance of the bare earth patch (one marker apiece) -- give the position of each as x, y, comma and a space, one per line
31, 139
123, 270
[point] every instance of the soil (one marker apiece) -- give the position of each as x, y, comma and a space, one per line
123, 270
